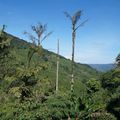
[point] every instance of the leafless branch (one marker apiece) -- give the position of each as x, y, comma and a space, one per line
81, 25
39, 29
32, 38
46, 36
68, 15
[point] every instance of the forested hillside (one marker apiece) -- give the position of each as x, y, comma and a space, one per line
27, 86
47, 60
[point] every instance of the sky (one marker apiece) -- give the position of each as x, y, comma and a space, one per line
97, 42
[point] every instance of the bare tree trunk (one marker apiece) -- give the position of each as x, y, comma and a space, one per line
76, 116
57, 71
69, 117
39, 42
73, 49
74, 19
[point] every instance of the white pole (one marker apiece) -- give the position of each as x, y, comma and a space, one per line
57, 71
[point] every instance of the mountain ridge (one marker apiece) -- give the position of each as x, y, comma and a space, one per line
103, 67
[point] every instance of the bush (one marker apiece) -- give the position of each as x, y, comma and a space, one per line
102, 116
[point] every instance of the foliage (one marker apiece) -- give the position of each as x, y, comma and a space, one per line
4, 53
22, 82
28, 93
118, 60
111, 82
102, 116
93, 85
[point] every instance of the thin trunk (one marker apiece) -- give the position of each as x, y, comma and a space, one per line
29, 57
73, 47
69, 117
57, 71
39, 42
76, 118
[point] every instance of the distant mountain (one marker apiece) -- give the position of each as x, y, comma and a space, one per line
103, 67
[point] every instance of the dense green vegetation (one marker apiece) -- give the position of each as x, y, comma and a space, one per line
27, 92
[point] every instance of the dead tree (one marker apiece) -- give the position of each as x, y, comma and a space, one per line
74, 19
57, 71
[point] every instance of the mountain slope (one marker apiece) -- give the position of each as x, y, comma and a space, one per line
47, 75
28, 92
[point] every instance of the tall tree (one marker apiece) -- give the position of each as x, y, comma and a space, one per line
26, 75
74, 20
37, 40
57, 71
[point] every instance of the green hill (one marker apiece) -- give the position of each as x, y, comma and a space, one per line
28, 90
83, 72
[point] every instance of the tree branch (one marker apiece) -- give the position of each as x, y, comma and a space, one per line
81, 25
68, 15
46, 36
